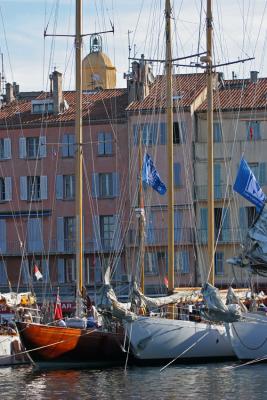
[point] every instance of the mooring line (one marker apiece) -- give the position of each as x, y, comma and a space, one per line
185, 351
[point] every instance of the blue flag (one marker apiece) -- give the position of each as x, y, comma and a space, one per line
247, 185
151, 177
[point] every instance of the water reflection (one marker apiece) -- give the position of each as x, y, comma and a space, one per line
206, 381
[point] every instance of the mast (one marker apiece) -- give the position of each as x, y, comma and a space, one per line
169, 106
141, 221
210, 145
79, 156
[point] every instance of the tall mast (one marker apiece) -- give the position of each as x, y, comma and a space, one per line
210, 144
168, 67
79, 156
141, 220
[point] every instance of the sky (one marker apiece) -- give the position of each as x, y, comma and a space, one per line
240, 31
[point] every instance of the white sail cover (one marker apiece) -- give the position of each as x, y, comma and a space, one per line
216, 309
254, 252
182, 296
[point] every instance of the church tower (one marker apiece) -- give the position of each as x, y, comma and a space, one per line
98, 70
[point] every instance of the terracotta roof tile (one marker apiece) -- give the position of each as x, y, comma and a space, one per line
240, 94
101, 105
185, 86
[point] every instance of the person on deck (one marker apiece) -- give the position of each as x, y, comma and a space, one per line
92, 315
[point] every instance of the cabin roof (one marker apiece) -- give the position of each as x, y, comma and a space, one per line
239, 94
186, 88
99, 105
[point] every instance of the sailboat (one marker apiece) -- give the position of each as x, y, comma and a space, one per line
154, 338
11, 351
247, 332
68, 346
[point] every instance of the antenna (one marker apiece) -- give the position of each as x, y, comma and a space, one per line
129, 50
2, 75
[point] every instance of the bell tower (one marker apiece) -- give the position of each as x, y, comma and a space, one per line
98, 70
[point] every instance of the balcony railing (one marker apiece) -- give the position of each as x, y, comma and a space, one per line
220, 192
160, 236
14, 248
235, 235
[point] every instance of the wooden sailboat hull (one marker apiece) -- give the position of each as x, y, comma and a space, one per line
11, 352
249, 337
53, 346
153, 338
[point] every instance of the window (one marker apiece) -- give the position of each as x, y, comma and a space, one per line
222, 224
5, 149
2, 189
35, 235
152, 133
34, 187
3, 273
32, 147
104, 144
2, 149
151, 263
69, 270
179, 130
253, 130
259, 170
105, 185
42, 106
69, 233
177, 174
107, 223
177, 139
181, 262
251, 215
68, 187
219, 263
68, 145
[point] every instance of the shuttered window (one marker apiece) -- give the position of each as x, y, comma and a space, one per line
104, 143
68, 141
5, 149
105, 185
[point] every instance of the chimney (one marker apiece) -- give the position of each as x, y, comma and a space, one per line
254, 76
9, 93
15, 89
57, 92
139, 81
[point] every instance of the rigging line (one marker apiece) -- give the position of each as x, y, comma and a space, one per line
184, 352
128, 347
137, 23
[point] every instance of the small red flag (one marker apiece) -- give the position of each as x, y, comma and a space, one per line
58, 309
166, 282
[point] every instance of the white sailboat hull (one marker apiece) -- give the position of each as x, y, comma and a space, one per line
10, 351
249, 337
153, 338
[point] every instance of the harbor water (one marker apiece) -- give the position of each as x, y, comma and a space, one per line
220, 381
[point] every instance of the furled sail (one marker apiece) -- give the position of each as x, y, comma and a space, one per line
110, 303
143, 301
254, 250
216, 309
